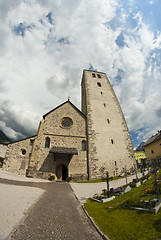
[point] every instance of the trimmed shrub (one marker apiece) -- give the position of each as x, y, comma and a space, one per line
70, 179
52, 178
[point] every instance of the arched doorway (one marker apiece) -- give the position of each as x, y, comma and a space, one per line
62, 172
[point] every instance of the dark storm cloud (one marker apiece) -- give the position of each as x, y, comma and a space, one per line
15, 121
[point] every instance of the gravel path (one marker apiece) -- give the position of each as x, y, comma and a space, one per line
46, 210
30, 214
15, 200
14, 203
83, 191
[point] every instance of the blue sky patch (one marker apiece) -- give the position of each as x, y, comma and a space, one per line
64, 41
134, 139
91, 68
118, 78
20, 29
49, 17
120, 40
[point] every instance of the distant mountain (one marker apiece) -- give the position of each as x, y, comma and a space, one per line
4, 138
140, 147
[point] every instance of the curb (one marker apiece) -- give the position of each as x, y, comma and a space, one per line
91, 219
95, 225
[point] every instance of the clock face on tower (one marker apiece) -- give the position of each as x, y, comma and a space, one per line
66, 122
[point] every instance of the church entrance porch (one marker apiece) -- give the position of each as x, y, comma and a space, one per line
62, 163
62, 172
62, 158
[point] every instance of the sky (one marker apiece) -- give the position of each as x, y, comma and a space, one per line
45, 45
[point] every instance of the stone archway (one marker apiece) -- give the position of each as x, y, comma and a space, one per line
62, 158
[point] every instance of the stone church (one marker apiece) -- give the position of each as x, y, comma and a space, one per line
78, 144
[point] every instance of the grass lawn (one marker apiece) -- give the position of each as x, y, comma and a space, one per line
119, 224
99, 180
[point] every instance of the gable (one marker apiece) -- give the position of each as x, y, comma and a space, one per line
61, 106
66, 119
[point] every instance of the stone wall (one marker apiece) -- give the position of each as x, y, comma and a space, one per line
17, 156
42, 159
3, 148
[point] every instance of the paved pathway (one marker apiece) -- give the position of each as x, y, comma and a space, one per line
57, 215
84, 191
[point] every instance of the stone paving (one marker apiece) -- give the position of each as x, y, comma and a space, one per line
58, 215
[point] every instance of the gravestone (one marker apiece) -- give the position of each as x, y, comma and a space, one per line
127, 189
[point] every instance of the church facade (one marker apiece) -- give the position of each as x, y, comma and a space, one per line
77, 144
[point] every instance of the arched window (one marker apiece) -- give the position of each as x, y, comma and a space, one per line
47, 142
98, 75
84, 145
99, 84
93, 75
112, 141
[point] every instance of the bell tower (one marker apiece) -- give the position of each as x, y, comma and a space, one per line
109, 146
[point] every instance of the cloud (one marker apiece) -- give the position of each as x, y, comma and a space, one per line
21, 123
45, 45
158, 112
151, 2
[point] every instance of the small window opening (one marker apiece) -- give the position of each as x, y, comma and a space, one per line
104, 104
93, 75
23, 151
115, 163
99, 84
47, 142
31, 142
108, 120
84, 145
112, 141
101, 92
98, 75
152, 151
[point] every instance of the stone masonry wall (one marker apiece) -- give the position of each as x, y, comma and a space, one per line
17, 156
3, 149
109, 144
42, 159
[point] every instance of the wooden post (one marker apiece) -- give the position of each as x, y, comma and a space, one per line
107, 179
126, 175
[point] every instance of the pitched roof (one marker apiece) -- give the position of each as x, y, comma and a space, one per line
64, 150
154, 138
22, 139
64, 104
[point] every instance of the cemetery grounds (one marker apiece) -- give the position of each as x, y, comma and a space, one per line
118, 222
